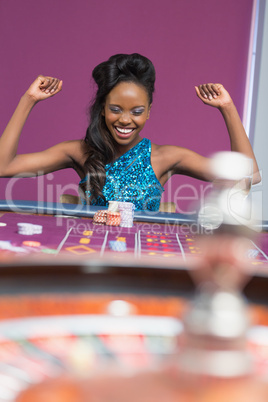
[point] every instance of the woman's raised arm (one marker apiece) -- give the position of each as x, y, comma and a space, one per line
177, 160
216, 95
10, 163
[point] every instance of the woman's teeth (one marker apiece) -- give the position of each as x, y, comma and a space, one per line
124, 130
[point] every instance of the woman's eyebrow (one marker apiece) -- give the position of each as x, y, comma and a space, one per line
135, 107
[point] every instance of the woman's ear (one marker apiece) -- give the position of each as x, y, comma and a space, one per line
149, 110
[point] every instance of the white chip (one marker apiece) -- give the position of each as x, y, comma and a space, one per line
24, 225
29, 228
127, 214
2, 224
126, 206
126, 224
113, 206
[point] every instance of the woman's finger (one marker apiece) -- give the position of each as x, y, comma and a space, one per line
208, 91
53, 85
50, 85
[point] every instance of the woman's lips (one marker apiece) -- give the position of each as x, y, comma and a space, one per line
124, 132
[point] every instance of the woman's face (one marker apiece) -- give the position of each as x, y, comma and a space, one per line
125, 111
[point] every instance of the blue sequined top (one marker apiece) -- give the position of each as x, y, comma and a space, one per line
131, 179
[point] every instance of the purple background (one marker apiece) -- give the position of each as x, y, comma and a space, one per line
190, 42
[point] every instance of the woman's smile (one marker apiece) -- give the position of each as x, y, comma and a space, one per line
124, 132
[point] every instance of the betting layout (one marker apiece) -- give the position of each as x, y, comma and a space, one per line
21, 234
24, 234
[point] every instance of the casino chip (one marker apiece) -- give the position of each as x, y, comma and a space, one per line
29, 243
7, 245
252, 253
113, 206
29, 229
116, 245
127, 213
100, 217
113, 218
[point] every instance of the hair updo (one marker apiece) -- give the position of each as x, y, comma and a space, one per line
101, 145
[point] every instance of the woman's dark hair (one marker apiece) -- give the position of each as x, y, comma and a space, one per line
101, 146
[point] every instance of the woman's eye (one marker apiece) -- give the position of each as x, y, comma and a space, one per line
115, 110
137, 112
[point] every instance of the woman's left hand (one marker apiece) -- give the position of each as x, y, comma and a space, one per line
213, 94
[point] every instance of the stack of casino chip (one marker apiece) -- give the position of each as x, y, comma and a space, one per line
113, 206
117, 245
113, 218
126, 210
29, 229
100, 217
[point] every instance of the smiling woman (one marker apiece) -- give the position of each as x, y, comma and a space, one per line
113, 161
125, 111
119, 113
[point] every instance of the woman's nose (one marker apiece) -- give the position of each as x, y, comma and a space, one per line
125, 118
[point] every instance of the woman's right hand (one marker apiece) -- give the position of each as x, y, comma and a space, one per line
44, 87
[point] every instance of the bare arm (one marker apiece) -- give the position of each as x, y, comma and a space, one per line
67, 154
168, 160
12, 164
177, 160
217, 96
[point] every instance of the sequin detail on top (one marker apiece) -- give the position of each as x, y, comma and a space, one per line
131, 179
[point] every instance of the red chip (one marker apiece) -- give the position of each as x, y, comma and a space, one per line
100, 217
113, 218
29, 243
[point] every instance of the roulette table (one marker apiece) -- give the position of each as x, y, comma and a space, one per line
69, 230
72, 306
